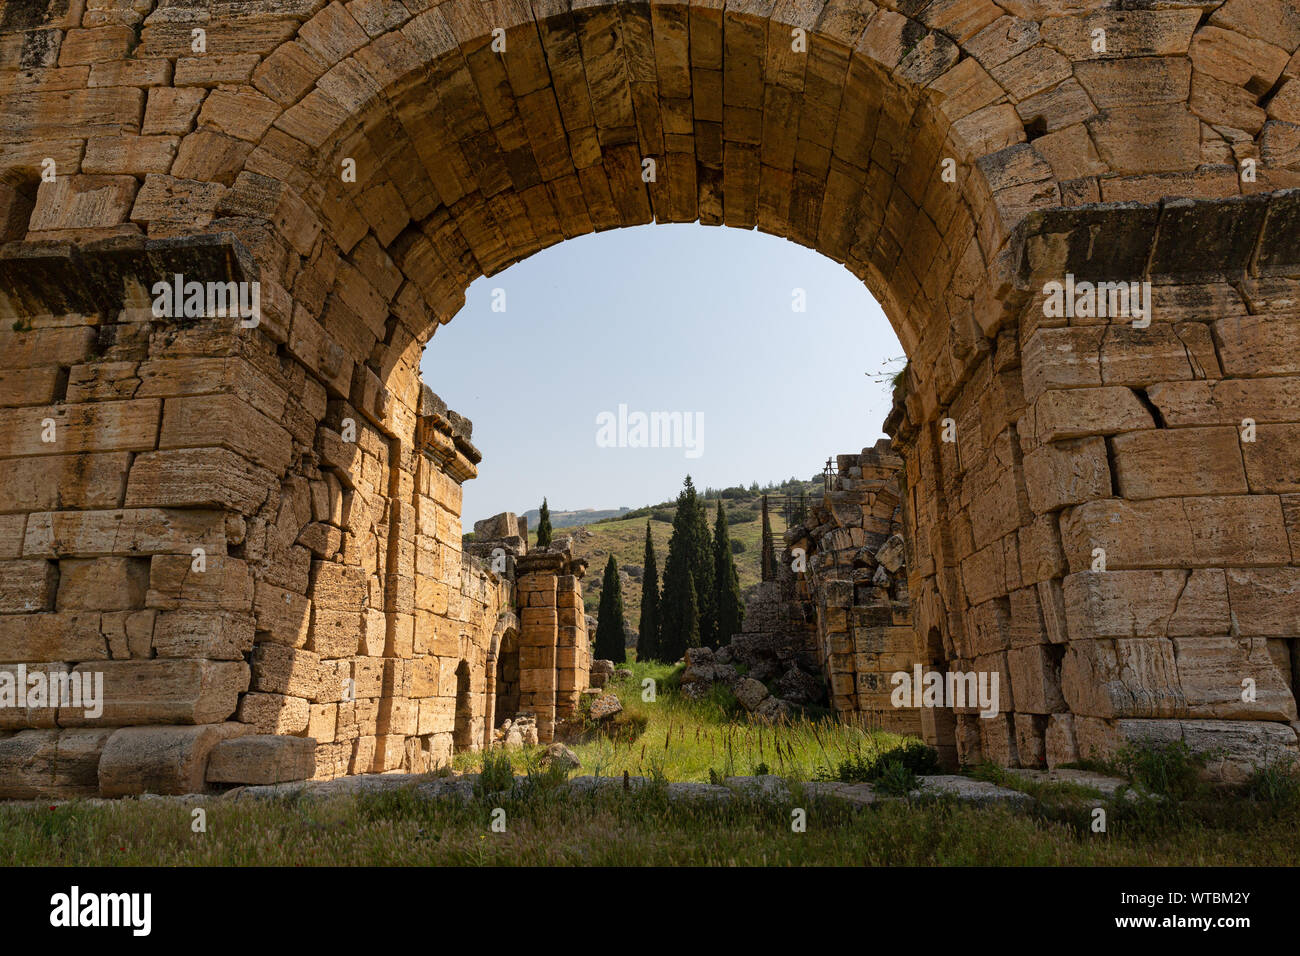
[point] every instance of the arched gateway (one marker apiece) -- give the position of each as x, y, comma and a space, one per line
254, 525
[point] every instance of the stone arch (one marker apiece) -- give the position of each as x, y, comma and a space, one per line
505, 675
469, 159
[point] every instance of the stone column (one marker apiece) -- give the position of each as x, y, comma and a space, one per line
538, 636
572, 657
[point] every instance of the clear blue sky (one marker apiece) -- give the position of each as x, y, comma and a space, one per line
666, 318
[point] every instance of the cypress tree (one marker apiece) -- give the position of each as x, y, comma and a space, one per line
690, 557
676, 620
702, 571
610, 628
681, 614
544, 527
647, 644
731, 613
691, 614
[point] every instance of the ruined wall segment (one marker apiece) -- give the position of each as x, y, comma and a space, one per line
1116, 525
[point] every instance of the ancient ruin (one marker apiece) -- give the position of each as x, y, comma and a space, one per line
231, 228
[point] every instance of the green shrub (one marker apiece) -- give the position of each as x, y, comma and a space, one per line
914, 756
1169, 770
1277, 782
497, 774
896, 779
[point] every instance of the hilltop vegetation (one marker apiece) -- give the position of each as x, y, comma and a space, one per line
624, 538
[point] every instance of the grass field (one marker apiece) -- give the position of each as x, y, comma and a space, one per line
695, 741
550, 828
545, 824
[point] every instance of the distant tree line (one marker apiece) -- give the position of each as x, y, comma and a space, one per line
663, 510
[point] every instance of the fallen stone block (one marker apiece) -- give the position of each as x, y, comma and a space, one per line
166, 760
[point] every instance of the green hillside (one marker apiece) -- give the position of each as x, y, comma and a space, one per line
625, 539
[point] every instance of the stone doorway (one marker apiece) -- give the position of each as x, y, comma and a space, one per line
463, 730
507, 679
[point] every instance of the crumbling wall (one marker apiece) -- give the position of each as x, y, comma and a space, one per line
846, 565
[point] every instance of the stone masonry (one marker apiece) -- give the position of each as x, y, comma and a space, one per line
1103, 507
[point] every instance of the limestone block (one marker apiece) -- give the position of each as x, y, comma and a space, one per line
225, 421
68, 481
970, 747
1031, 745
24, 349
1170, 603
197, 477
1128, 677
96, 45
241, 112
997, 740
22, 683
1163, 463
262, 759
1035, 675
333, 759
1265, 602
1067, 473
337, 586
1228, 401
171, 110
1211, 531
1243, 745
334, 633
215, 70
83, 202
285, 670
335, 681
162, 691
283, 616
166, 760
397, 716
1216, 673
363, 754
132, 531
99, 426
1255, 345
287, 73
1148, 138
215, 635
273, 713
322, 722
1039, 548
219, 583
50, 764
1272, 464
129, 155
103, 584
27, 586
1059, 741
1078, 412
62, 636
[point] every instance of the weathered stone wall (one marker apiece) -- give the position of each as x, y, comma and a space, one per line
1106, 513
371, 160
